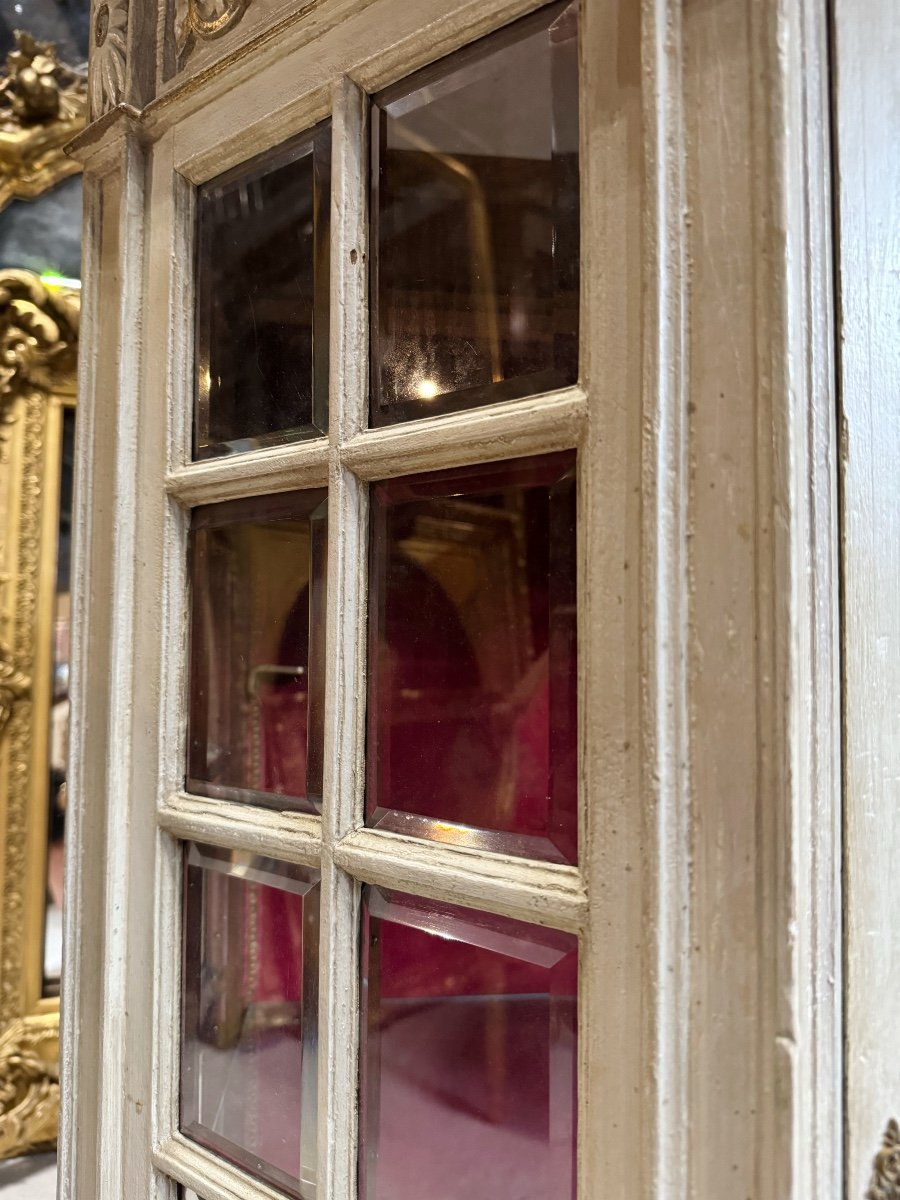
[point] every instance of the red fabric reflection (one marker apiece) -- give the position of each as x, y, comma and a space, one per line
472, 654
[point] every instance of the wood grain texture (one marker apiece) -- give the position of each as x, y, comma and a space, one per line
82, 962
536, 425
867, 45
294, 837
261, 472
345, 676
664, 566
514, 887
212, 1177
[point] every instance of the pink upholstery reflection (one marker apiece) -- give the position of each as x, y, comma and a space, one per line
469, 1042
250, 987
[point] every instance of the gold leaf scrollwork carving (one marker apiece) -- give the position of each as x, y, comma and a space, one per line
205, 19
38, 339
14, 684
42, 106
885, 1183
29, 1085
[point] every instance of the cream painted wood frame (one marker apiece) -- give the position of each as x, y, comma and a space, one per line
707, 897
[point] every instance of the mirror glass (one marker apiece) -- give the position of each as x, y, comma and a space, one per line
59, 716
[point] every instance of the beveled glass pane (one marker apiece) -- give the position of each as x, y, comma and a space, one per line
476, 224
468, 1060
257, 653
250, 1000
262, 299
472, 733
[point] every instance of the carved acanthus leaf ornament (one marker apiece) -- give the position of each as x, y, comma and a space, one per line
42, 106
109, 37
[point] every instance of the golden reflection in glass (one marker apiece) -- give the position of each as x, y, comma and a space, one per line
475, 215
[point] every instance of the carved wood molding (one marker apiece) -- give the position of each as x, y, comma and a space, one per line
885, 1183
43, 105
204, 19
29, 1085
109, 40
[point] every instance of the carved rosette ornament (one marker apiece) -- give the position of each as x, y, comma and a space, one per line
42, 106
29, 1086
885, 1184
109, 40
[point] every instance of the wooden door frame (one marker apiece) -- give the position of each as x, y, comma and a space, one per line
711, 726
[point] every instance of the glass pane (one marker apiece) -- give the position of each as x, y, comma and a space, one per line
472, 733
262, 300
257, 665
468, 1055
475, 210
250, 996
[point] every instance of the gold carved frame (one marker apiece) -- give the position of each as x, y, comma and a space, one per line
42, 106
38, 353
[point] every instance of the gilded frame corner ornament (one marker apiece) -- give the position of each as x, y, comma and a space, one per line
38, 354
43, 104
885, 1182
29, 1085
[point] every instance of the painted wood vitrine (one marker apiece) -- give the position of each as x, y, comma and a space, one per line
456, 798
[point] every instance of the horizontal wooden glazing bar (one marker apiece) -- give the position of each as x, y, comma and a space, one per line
513, 429
542, 893
257, 473
207, 1174
288, 836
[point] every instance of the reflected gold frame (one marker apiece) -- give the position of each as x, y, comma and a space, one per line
38, 355
43, 105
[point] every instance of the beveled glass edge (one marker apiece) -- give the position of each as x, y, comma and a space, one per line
540, 945
256, 1167
251, 798
214, 451
471, 837
509, 33
264, 509
250, 867
481, 396
544, 469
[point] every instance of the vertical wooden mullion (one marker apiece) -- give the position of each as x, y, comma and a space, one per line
612, 1084
345, 672
169, 382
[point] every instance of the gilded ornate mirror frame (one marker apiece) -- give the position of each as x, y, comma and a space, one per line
42, 104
